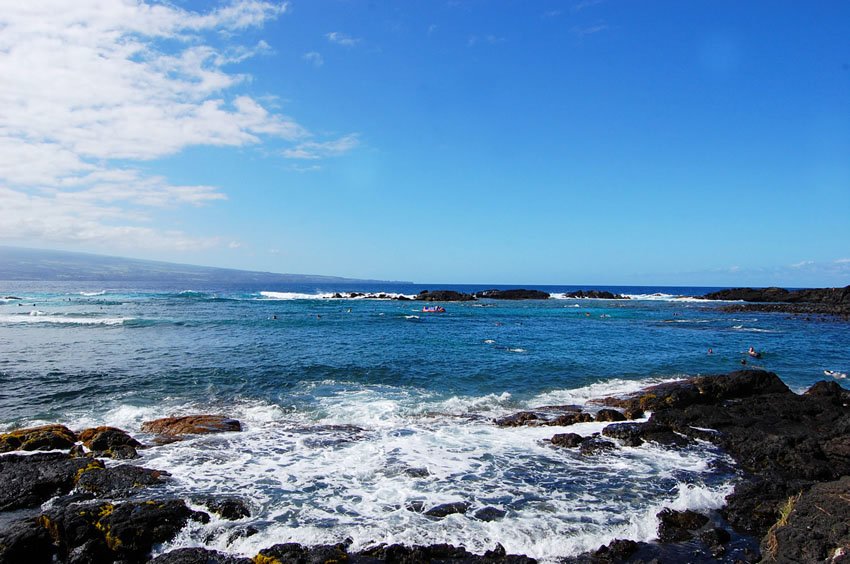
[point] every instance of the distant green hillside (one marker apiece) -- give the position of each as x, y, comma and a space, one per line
18, 263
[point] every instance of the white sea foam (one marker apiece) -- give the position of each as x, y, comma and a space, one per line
751, 329
314, 484
332, 295
604, 388
42, 317
348, 464
100, 293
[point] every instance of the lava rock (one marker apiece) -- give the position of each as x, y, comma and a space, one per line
597, 294
812, 527
595, 445
677, 525
568, 440
30, 480
199, 556
444, 296
25, 541
490, 514
516, 294
610, 415
569, 419
293, 553
191, 425
230, 508
446, 509
118, 481
45, 437
518, 419
110, 442
103, 532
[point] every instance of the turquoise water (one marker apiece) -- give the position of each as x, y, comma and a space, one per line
341, 398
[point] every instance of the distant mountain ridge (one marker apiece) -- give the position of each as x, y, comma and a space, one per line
18, 263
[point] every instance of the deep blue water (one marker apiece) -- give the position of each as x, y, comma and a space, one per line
421, 388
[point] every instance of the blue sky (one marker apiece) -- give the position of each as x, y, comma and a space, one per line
583, 142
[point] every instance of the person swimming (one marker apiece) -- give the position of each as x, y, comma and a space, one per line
754, 353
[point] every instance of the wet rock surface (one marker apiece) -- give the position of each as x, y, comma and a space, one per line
30, 480
444, 296
118, 481
828, 301
109, 442
596, 294
567, 440
784, 442
199, 556
516, 294
553, 416
45, 437
230, 508
103, 532
191, 425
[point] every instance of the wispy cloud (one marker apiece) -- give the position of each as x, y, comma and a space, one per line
484, 39
589, 30
342, 39
311, 150
93, 88
584, 4
314, 58
842, 261
552, 13
802, 263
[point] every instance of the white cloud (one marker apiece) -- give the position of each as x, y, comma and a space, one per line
314, 58
802, 263
342, 39
91, 88
590, 30
842, 261
310, 150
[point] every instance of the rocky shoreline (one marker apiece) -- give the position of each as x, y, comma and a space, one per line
791, 504
812, 301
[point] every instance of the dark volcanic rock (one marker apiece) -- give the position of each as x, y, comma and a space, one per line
490, 514
446, 509
46, 437
595, 445
118, 481
568, 440
610, 415
517, 294
231, 508
439, 554
25, 541
597, 294
292, 553
110, 442
444, 296
678, 525
191, 425
29, 481
635, 434
783, 442
702, 390
103, 532
199, 556
813, 527
553, 417
831, 301
518, 419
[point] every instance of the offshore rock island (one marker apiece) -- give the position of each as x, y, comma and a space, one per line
823, 301
793, 452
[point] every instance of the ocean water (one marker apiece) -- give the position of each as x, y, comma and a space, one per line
355, 411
